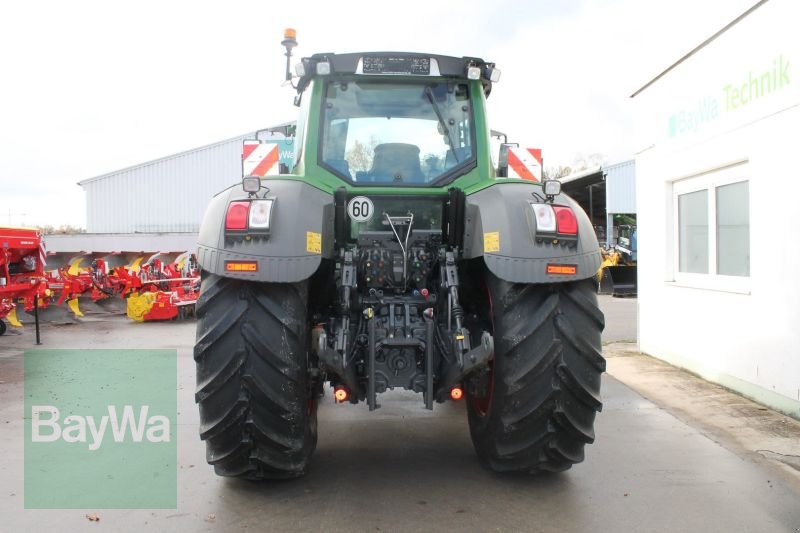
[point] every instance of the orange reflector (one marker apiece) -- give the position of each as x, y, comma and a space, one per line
241, 266
456, 393
566, 270
340, 394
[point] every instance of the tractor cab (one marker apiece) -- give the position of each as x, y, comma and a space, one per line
392, 119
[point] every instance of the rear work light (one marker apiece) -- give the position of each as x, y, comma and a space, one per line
566, 220
236, 217
260, 214
545, 218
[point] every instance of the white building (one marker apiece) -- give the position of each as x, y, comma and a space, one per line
718, 217
158, 205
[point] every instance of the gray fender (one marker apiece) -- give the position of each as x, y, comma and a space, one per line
503, 212
287, 255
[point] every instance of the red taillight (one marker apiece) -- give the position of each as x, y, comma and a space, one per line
456, 393
236, 218
566, 221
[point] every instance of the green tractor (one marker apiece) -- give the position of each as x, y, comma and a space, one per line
393, 256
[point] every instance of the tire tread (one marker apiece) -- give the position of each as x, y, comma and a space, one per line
252, 380
548, 363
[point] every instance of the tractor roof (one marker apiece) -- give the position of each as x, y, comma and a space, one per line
405, 64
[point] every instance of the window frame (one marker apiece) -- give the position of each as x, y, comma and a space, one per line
446, 178
709, 182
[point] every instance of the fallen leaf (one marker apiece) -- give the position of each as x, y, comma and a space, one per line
93, 517
211, 518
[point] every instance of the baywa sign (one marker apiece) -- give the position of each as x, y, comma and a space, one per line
743, 91
103, 423
73, 428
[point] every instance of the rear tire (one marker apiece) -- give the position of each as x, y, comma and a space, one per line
257, 413
2, 327
537, 412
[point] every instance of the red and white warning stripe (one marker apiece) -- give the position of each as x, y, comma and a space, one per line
525, 163
260, 159
42, 252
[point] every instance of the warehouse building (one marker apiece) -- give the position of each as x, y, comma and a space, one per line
716, 195
605, 192
158, 205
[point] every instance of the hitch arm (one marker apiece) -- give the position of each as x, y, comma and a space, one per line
472, 360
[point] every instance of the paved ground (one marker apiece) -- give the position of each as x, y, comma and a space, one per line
655, 466
621, 316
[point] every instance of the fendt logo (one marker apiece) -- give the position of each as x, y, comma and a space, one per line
46, 426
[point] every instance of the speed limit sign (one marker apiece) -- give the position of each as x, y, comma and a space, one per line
360, 209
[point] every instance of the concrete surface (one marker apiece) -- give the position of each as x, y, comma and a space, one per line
405, 469
739, 424
621, 317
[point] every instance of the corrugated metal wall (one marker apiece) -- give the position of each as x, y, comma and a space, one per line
115, 242
621, 187
165, 195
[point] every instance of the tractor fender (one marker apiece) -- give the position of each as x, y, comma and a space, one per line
300, 234
500, 227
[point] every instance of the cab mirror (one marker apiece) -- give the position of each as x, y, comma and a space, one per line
502, 159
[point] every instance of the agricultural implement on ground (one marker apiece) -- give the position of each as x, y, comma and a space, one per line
22, 279
159, 286
162, 291
396, 256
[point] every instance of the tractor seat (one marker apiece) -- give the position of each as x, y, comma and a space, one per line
396, 163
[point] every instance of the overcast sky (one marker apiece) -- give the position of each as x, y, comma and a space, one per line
90, 87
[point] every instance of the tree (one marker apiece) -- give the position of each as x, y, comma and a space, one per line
433, 165
359, 156
582, 162
579, 162
63, 229
557, 172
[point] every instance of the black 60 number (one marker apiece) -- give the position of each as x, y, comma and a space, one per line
360, 208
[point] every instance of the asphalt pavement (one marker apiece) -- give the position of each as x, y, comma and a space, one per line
402, 468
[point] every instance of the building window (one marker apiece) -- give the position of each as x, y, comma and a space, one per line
712, 229
733, 229
693, 238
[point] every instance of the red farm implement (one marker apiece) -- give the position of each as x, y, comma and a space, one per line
22, 279
160, 286
161, 290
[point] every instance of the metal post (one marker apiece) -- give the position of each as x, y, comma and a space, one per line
36, 317
429, 364
371, 400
